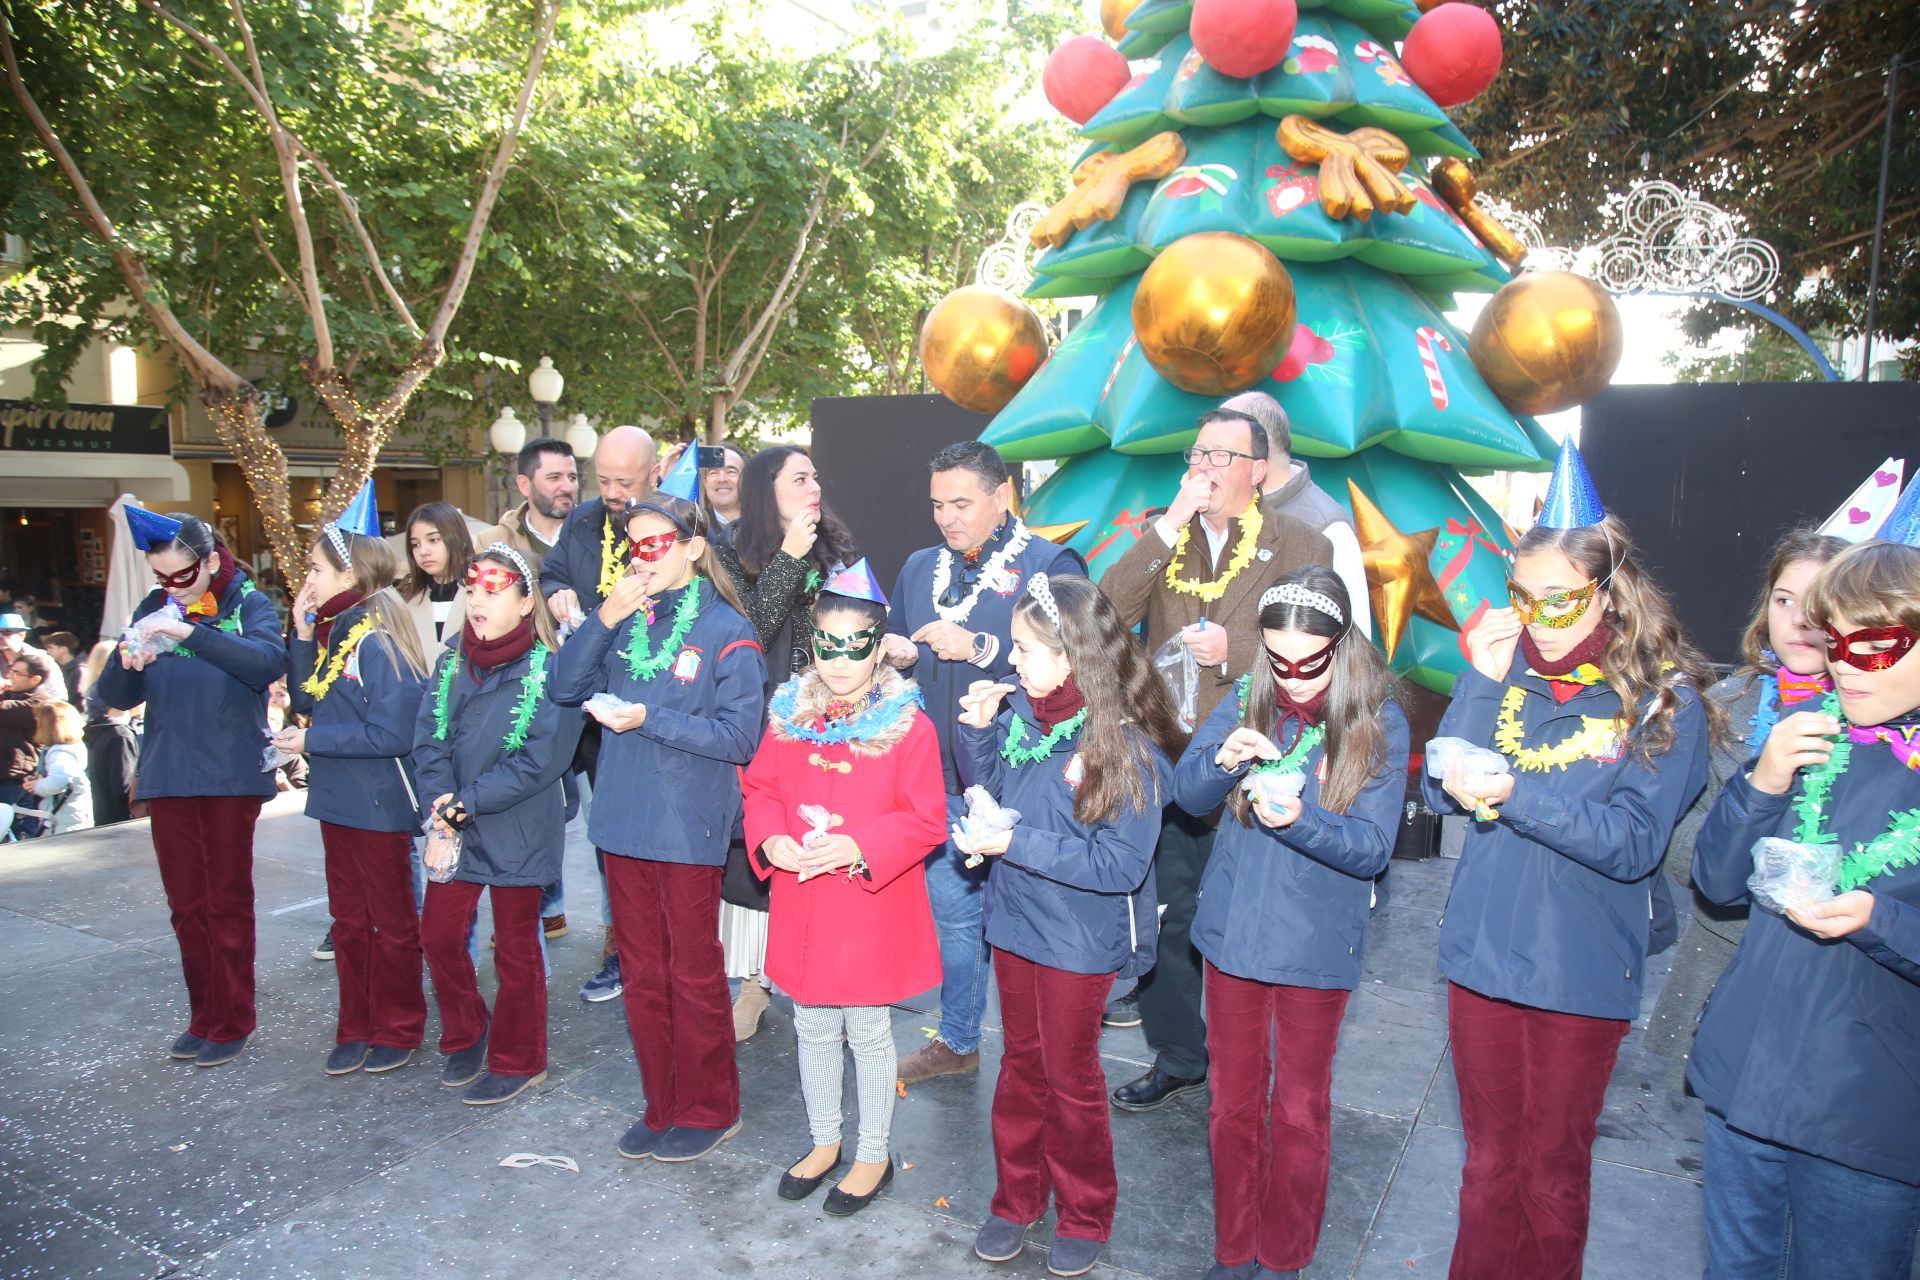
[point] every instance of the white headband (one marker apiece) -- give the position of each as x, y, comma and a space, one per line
1042, 592
339, 540
502, 549
1294, 593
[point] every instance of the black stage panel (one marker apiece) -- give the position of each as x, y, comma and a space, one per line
1708, 476
872, 452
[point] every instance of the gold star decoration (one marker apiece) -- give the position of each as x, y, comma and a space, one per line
1058, 533
1399, 576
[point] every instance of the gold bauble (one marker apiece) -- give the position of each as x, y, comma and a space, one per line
979, 346
1547, 341
1214, 313
1113, 17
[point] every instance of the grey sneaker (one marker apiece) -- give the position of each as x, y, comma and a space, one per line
604, 985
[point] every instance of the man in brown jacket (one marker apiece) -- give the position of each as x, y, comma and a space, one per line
549, 480
1197, 575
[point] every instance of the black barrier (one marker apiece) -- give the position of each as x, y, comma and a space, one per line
1708, 476
872, 453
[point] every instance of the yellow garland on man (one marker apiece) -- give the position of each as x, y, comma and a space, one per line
1251, 522
612, 559
319, 687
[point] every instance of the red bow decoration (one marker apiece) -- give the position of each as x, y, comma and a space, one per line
1472, 532
1125, 522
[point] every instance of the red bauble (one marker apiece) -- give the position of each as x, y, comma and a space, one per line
1082, 76
1243, 37
1453, 53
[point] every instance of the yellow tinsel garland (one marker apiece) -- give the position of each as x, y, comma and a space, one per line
1251, 524
612, 560
317, 686
1592, 741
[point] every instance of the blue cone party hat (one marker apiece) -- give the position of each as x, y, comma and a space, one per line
361, 515
683, 481
1903, 522
1571, 502
856, 582
150, 529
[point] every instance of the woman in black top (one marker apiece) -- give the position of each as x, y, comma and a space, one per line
785, 544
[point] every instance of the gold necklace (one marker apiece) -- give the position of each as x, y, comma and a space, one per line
1250, 522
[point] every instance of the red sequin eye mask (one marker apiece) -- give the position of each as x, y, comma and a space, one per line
181, 580
648, 550
1899, 642
1307, 668
493, 578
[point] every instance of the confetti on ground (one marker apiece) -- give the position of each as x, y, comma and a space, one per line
901, 1085
929, 1032
905, 1167
941, 1203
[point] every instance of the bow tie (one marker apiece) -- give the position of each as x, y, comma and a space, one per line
205, 607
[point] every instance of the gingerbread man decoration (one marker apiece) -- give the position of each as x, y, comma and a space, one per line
1454, 182
1101, 183
1356, 169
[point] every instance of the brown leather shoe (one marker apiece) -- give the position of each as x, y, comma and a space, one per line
554, 926
936, 1060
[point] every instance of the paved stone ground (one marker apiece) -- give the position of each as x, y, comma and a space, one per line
116, 1161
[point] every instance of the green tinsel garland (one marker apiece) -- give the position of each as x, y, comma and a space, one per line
1015, 754
642, 661
532, 685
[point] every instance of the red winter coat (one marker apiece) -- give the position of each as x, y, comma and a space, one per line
870, 939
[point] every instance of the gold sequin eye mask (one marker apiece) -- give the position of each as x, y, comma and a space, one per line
1559, 611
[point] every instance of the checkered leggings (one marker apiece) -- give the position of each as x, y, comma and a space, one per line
868, 1031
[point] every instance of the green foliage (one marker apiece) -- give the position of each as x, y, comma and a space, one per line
1774, 109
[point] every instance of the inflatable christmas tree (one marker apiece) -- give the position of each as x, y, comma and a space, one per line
1258, 210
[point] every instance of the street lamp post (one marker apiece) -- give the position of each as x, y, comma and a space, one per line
545, 385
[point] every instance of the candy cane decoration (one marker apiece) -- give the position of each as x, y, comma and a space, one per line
1426, 339
1368, 51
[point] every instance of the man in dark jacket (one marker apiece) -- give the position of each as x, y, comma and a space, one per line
952, 624
113, 754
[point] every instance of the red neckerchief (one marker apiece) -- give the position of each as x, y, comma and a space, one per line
1308, 714
1059, 706
1589, 650
327, 614
485, 655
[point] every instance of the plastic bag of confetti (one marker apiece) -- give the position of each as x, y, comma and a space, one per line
1788, 874
141, 638
985, 817
1274, 788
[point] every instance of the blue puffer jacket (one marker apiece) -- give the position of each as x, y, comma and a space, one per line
1289, 904
206, 725
669, 791
1552, 903
1065, 895
942, 682
362, 732
519, 830
1812, 1044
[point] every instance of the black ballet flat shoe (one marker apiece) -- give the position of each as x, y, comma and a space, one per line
795, 1187
842, 1205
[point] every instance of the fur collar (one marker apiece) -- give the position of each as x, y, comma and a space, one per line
798, 705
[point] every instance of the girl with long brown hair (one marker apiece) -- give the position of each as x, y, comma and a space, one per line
439, 549
1784, 668
1082, 751
1310, 759
355, 667
1589, 689
684, 684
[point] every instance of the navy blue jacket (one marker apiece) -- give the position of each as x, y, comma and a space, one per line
574, 563
669, 791
1289, 904
362, 732
206, 723
1811, 1044
941, 682
519, 829
1552, 903
1082, 899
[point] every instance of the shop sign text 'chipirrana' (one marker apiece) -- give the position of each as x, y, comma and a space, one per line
26, 427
